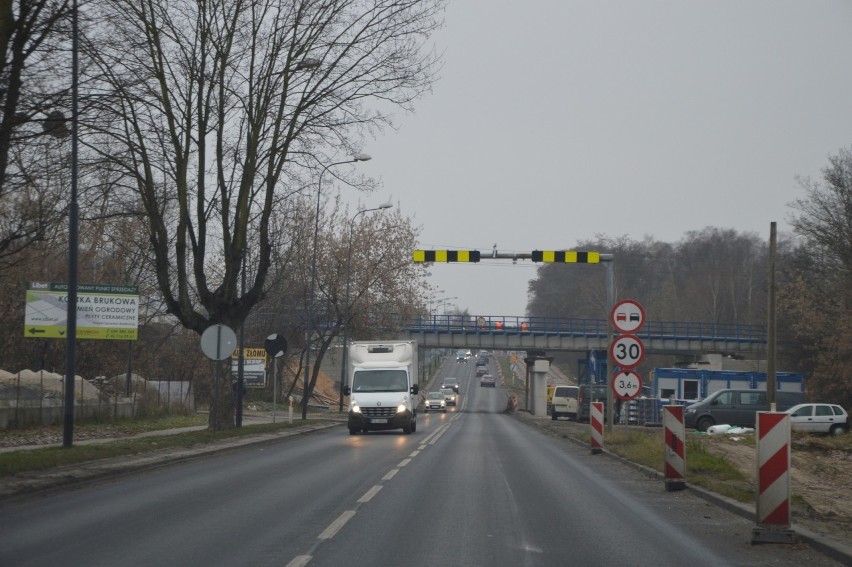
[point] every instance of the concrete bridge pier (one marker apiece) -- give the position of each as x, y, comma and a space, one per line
538, 369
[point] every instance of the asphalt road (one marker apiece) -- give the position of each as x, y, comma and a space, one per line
473, 486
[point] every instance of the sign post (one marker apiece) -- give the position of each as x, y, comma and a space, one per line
276, 346
626, 350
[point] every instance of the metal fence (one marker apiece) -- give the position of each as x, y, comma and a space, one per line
30, 399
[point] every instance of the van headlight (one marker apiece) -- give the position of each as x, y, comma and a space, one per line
355, 408
401, 408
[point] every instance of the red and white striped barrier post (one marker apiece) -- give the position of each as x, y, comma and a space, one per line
596, 418
675, 439
773, 479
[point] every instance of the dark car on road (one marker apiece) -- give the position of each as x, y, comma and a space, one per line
451, 383
587, 394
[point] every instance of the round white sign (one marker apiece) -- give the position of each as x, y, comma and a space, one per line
627, 384
218, 342
627, 316
627, 351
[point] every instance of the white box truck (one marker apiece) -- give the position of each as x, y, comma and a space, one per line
383, 388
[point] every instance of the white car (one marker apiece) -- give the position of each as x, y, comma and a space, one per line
449, 396
435, 401
819, 418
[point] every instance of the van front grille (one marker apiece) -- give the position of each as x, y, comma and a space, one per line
389, 411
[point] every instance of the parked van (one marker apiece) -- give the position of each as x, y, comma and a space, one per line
586, 394
736, 407
563, 403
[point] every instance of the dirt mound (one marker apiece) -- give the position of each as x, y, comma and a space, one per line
28, 384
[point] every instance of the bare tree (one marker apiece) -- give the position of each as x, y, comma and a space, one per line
215, 112
369, 258
815, 300
31, 102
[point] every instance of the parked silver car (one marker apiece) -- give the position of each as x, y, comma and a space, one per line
819, 418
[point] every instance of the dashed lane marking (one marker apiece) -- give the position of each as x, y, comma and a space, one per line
391, 474
370, 493
335, 526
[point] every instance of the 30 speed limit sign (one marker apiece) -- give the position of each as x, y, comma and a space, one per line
627, 351
627, 384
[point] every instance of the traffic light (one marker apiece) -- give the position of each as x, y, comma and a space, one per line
446, 255
566, 256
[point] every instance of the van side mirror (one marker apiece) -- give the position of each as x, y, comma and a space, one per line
415, 389
347, 390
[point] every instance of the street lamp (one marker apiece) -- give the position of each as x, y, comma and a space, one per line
356, 157
343, 358
73, 215
443, 303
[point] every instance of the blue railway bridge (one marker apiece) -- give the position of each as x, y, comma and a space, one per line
559, 334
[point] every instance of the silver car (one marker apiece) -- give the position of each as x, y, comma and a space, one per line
819, 418
449, 396
435, 401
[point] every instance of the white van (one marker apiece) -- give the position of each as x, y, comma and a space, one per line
564, 402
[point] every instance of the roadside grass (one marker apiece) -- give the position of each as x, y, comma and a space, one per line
43, 458
715, 473
644, 446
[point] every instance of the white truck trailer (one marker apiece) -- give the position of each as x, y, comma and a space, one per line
383, 388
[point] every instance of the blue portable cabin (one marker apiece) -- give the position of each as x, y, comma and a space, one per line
694, 384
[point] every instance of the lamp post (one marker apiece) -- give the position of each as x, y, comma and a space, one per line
73, 214
443, 303
343, 358
356, 157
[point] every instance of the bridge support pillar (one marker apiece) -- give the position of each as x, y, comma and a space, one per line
538, 385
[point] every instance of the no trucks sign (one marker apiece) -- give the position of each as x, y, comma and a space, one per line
103, 311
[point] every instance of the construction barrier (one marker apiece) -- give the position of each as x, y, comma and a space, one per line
596, 420
773, 479
675, 447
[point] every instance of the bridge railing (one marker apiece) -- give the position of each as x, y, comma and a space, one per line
454, 323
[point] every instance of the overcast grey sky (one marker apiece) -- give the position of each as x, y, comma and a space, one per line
554, 121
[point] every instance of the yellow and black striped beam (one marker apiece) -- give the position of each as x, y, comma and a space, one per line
566, 256
446, 255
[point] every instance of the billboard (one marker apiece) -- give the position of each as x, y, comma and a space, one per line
254, 367
103, 311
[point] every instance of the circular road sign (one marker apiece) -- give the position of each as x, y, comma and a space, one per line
275, 345
627, 384
218, 342
627, 316
627, 351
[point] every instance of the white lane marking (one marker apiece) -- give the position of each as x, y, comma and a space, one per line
438, 434
404, 462
335, 526
300, 561
414, 453
370, 493
390, 475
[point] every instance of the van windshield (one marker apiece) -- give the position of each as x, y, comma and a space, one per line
380, 381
